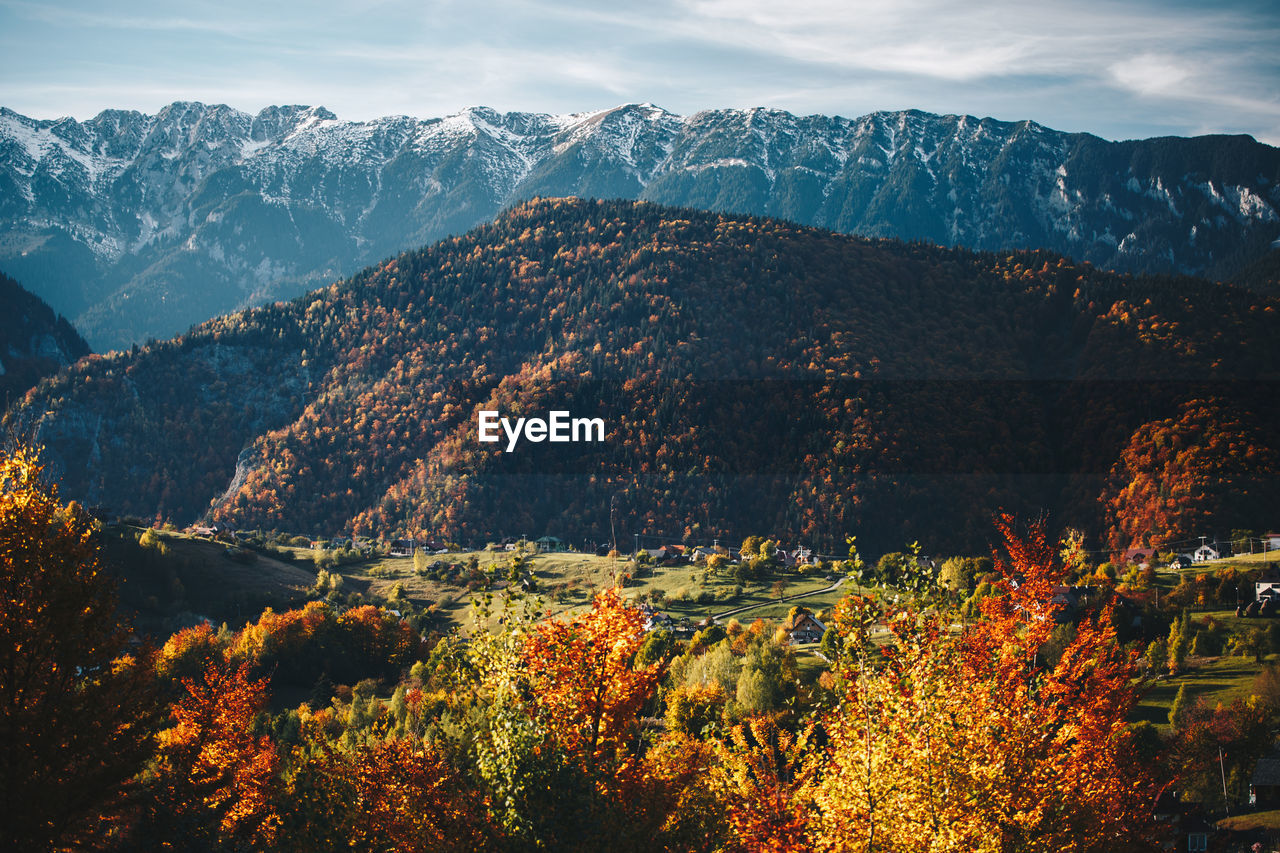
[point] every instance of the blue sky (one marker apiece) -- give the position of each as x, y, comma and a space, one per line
1119, 69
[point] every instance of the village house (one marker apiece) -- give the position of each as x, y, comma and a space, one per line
654, 618
1268, 585
1207, 551
799, 556
1186, 826
702, 553
213, 531
804, 627
1068, 601
1069, 596
1139, 556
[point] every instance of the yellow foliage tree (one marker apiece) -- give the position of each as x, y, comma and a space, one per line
947, 740
76, 711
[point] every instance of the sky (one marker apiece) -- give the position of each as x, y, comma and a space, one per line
1121, 69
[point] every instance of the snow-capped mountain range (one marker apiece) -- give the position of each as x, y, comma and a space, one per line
137, 225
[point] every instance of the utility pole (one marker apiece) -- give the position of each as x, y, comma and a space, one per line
1225, 803
613, 530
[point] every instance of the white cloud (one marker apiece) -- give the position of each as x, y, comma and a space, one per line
1151, 74
63, 16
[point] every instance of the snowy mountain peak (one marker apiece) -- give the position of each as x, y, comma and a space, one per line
275, 123
138, 225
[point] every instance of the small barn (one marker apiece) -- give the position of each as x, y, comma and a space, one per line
1264, 787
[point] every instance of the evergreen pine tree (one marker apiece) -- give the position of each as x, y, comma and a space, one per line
1181, 704
1179, 642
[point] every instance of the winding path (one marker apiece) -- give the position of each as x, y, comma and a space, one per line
716, 617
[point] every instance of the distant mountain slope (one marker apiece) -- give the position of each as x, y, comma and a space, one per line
34, 341
754, 376
138, 226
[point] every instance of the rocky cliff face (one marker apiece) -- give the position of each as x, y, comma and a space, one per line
137, 225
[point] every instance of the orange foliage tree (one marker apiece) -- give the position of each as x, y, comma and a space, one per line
76, 712
590, 690
948, 739
186, 654
1206, 471
1216, 748
765, 774
559, 751
215, 779
582, 673
388, 795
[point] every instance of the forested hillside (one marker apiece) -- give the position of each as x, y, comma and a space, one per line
34, 341
753, 375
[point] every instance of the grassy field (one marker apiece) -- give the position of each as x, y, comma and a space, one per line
1215, 680
186, 573
1268, 820
180, 579
568, 581
1244, 561
565, 580
1261, 557
195, 577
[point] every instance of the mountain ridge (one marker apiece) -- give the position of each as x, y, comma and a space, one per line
35, 342
754, 375
138, 225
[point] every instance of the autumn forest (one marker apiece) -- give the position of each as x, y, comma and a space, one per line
929, 727
753, 375
969, 444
